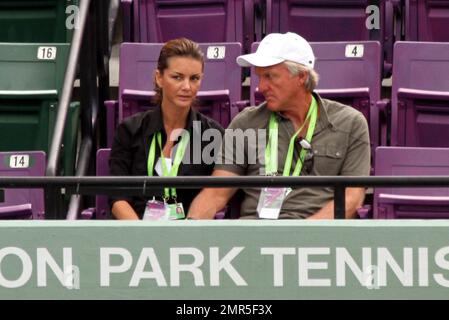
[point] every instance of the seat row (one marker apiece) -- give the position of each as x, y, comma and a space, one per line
389, 202
385, 21
416, 115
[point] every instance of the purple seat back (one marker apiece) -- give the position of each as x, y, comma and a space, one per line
220, 89
157, 21
321, 20
22, 203
355, 81
416, 203
102, 210
427, 20
420, 95
333, 20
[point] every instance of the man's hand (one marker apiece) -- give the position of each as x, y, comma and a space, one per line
211, 200
354, 200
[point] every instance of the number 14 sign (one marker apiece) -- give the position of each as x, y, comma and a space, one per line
19, 161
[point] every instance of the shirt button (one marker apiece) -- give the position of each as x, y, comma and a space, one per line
337, 154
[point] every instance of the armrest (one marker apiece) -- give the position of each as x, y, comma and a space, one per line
342, 93
111, 104
220, 214
137, 94
422, 94
214, 95
31, 94
19, 210
365, 212
383, 105
88, 213
413, 200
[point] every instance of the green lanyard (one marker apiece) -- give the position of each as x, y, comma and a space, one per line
178, 158
271, 151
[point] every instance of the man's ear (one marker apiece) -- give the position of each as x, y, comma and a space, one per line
302, 77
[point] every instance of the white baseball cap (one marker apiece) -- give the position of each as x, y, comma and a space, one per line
279, 47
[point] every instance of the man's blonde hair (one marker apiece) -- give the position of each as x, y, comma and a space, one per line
312, 75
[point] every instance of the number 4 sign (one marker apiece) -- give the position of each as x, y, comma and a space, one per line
354, 50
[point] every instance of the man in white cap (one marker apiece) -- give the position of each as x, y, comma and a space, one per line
305, 135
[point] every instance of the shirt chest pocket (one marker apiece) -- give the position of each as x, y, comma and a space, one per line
328, 160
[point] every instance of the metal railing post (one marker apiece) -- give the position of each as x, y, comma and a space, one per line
52, 195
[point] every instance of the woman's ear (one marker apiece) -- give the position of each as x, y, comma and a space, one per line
158, 78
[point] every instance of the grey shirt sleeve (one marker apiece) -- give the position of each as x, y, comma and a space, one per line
358, 157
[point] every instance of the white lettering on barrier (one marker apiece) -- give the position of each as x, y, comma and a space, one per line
105, 263
404, 275
216, 265
45, 259
304, 265
312, 264
194, 268
345, 259
423, 267
27, 267
370, 276
148, 254
443, 264
278, 262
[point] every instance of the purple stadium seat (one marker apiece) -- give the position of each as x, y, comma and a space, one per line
220, 89
354, 81
22, 203
156, 21
420, 95
334, 20
411, 203
427, 20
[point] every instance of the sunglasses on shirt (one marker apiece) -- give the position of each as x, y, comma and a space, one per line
309, 158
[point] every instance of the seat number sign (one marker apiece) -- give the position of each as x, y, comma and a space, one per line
19, 161
46, 53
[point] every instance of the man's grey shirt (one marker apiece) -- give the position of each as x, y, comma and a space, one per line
340, 144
